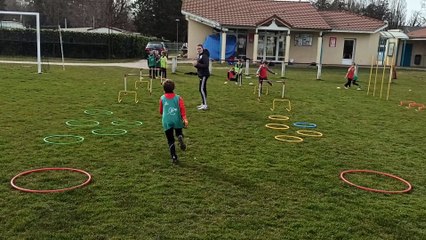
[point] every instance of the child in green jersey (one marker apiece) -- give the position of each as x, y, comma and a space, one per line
172, 109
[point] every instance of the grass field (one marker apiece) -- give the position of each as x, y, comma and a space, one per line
235, 181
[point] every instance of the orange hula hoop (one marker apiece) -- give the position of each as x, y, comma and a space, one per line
12, 182
409, 187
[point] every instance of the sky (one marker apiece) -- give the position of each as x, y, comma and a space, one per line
413, 5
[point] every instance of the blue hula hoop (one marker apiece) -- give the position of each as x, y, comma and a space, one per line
304, 125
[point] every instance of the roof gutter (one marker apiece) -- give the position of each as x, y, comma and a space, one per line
383, 27
349, 31
203, 20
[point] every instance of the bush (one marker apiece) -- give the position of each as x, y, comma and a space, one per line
23, 42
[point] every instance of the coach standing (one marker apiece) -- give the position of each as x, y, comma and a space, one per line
202, 65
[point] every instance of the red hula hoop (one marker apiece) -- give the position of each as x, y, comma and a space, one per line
12, 182
409, 187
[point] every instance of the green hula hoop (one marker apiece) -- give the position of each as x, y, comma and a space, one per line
112, 133
98, 112
126, 123
82, 123
79, 139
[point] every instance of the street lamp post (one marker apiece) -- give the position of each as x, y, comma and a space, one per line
177, 32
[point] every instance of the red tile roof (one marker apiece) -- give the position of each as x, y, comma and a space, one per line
421, 33
299, 15
247, 13
347, 21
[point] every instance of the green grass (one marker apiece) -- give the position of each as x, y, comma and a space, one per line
235, 181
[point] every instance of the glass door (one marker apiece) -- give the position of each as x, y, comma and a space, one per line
271, 47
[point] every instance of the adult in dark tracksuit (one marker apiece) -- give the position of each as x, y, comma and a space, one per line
202, 65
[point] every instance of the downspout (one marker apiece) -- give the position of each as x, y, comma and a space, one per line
319, 58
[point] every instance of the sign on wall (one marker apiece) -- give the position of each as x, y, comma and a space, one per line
332, 42
303, 40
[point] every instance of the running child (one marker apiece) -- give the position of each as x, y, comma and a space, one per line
351, 77
262, 73
172, 109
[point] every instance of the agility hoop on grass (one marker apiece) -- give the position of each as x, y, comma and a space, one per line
126, 123
109, 132
82, 123
278, 117
304, 125
277, 126
406, 103
409, 187
289, 138
98, 112
12, 182
309, 133
79, 139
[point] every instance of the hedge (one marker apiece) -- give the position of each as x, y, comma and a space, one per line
22, 42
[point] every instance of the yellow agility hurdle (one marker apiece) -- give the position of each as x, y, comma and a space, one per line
124, 92
142, 81
281, 100
256, 89
283, 88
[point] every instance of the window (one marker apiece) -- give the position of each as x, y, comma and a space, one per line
303, 40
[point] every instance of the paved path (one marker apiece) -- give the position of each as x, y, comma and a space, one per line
138, 64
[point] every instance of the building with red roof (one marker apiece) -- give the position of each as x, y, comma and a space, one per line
283, 31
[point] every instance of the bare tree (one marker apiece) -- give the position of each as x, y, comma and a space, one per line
397, 13
416, 19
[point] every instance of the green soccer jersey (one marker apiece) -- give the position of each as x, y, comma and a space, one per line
171, 113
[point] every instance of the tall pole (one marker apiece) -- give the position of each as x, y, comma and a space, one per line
38, 43
177, 31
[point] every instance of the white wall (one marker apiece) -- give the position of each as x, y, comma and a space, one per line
419, 48
197, 33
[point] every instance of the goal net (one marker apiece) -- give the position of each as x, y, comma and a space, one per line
11, 36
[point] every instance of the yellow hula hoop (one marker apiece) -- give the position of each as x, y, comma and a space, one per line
278, 117
309, 133
289, 138
277, 126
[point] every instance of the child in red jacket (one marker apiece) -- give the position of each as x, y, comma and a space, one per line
262, 73
351, 77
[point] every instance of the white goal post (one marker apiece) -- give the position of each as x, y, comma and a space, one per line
37, 15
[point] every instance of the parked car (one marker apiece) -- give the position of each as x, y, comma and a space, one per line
159, 46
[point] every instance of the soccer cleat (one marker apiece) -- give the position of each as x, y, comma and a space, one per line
175, 159
359, 89
200, 106
346, 87
181, 143
204, 107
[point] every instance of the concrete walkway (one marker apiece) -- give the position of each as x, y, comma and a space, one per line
138, 64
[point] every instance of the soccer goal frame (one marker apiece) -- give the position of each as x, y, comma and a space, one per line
37, 15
